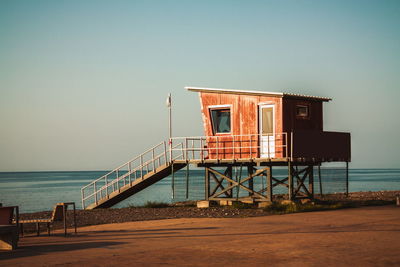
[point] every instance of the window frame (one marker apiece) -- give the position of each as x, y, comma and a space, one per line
303, 105
220, 107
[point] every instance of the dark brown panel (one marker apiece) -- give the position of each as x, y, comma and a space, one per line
329, 146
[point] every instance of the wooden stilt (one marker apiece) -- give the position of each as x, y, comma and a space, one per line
311, 181
250, 183
173, 181
75, 218
187, 181
347, 178
238, 181
269, 183
229, 173
207, 183
320, 180
290, 181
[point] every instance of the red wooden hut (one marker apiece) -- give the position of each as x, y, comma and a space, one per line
242, 124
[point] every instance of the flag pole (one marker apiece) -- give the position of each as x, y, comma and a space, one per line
169, 104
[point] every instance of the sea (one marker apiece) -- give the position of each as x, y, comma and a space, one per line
39, 191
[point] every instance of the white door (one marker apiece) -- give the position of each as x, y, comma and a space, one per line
267, 131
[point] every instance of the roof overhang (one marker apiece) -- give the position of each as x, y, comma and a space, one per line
256, 93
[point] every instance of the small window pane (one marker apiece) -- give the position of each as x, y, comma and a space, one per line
302, 111
221, 120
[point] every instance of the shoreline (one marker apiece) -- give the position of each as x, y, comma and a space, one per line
189, 210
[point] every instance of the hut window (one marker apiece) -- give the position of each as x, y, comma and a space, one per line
302, 111
221, 120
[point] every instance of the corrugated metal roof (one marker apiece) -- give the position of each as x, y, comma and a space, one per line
247, 92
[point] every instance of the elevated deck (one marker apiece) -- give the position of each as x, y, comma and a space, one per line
300, 149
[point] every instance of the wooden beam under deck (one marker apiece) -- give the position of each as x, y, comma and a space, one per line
253, 162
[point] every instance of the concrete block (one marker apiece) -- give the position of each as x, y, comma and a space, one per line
203, 204
287, 202
264, 204
225, 202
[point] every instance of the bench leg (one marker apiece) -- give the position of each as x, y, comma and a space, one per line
48, 229
37, 229
21, 229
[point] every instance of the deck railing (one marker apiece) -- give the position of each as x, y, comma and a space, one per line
232, 147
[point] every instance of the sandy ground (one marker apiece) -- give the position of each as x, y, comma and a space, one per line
368, 236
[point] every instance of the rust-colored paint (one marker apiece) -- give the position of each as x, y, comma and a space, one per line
245, 121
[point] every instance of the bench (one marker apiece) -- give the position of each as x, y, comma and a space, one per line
59, 214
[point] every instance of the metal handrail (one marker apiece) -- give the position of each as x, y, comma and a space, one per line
125, 164
152, 164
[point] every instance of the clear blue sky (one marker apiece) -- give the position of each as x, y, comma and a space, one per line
83, 83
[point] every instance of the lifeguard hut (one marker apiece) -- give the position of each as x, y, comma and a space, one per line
254, 131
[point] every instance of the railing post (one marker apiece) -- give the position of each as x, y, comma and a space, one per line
165, 153
117, 181
286, 146
141, 166
291, 146
217, 146
182, 151
193, 148
186, 149
233, 147
130, 172
251, 145
106, 180
269, 155
201, 149
154, 161
95, 192
83, 198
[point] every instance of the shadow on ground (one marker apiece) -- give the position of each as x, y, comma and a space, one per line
35, 250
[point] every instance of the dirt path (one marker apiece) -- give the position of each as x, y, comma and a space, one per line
368, 236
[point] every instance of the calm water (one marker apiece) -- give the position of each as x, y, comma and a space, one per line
38, 191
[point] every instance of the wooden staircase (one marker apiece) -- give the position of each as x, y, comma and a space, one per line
131, 177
